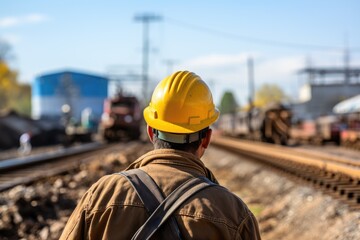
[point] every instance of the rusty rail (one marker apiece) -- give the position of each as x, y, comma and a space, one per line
335, 175
28, 169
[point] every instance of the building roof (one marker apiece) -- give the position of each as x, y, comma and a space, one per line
349, 105
69, 71
332, 70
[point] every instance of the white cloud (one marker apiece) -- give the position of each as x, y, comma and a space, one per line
278, 69
35, 18
8, 22
224, 69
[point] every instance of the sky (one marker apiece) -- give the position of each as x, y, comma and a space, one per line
214, 39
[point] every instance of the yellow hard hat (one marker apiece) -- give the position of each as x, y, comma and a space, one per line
181, 103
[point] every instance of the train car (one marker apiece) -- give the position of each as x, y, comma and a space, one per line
273, 124
276, 124
349, 113
270, 124
321, 130
121, 118
303, 131
43, 132
350, 135
328, 129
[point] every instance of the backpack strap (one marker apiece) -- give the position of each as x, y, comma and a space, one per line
170, 204
151, 196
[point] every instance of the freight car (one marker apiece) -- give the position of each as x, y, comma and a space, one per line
350, 135
318, 131
349, 113
275, 124
341, 127
270, 124
121, 119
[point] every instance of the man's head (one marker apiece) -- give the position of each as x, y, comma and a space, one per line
180, 112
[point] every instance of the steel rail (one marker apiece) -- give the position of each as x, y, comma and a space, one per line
333, 164
20, 162
28, 169
335, 175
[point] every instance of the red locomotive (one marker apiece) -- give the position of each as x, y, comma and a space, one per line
121, 119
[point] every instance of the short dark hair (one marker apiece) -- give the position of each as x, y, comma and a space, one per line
187, 147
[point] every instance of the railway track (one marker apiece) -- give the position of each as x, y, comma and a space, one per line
25, 170
337, 176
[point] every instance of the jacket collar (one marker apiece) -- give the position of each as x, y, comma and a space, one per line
175, 158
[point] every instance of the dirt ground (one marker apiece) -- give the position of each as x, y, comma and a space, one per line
285, 209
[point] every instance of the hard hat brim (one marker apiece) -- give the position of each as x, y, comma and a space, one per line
178, 127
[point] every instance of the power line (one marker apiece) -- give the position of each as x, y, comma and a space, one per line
274, 43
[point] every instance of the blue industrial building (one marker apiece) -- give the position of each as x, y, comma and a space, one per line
53, 93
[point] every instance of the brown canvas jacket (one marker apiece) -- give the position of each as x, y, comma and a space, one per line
111, 209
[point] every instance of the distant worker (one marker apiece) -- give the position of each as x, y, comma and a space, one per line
87, 119
25, 143
118, 206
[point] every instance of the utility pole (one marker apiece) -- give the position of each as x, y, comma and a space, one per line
251, 91
146, 18
346, 61
251, 81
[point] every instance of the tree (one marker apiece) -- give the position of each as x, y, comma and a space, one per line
228, 103
12, 94
5, 51
268, 93
7, 85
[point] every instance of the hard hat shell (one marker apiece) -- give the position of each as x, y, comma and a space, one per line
181, 103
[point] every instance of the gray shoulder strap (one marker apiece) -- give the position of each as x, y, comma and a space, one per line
170, 204
151, 196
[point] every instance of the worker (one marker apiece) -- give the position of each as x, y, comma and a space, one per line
87, 119
178, 119
25, 143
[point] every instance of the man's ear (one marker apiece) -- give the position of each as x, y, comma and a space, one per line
150, 133
206, 140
